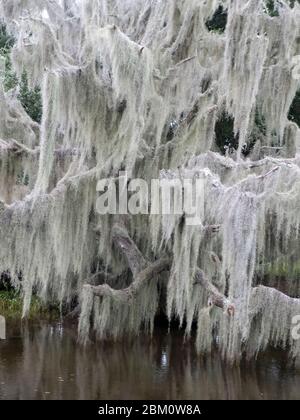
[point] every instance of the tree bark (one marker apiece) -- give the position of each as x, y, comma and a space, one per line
144, 271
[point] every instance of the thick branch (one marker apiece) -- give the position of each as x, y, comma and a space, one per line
101, 277
134, 257
128, 294
143, 272
96, 279
275, 295
216, 298
17, 148
28, 204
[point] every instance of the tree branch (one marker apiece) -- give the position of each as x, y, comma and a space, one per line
275, 295
216, 298
135, 259
144, 271
127, 295
18, 148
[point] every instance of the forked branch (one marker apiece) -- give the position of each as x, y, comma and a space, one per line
144, 272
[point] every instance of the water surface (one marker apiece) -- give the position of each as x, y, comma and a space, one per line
46, 362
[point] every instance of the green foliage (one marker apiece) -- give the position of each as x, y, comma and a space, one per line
30, 99
226, 140
6, 41
293, 2
272, 6
11, 306
294, 114
224, 134
10, 80
283, 269
218, 22
260, 122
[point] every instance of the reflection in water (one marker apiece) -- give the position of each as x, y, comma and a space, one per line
46, 362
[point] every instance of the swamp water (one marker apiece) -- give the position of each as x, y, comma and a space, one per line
46, 362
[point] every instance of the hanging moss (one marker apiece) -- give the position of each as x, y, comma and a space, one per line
152, 86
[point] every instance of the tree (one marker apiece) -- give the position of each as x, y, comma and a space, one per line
140, 86
29, 98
